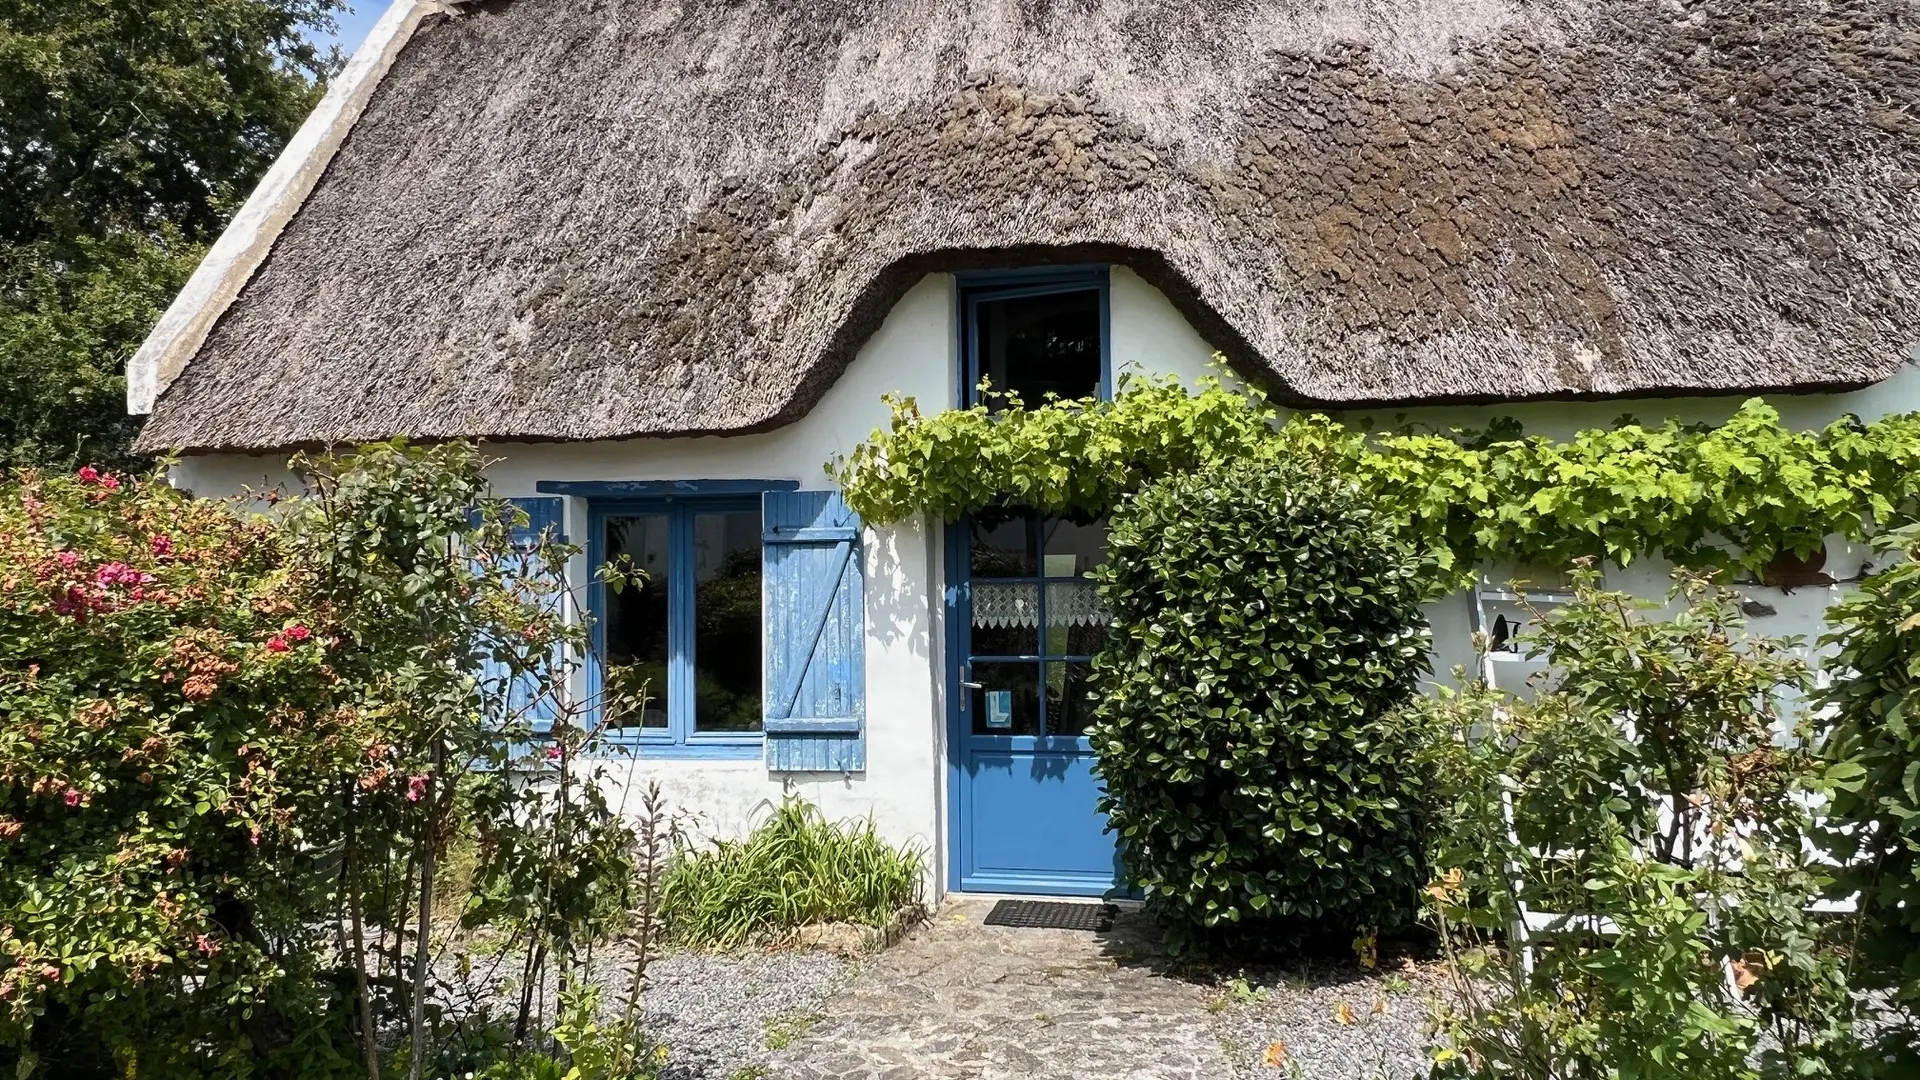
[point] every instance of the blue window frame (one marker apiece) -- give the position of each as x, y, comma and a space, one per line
694, 627
1031, 331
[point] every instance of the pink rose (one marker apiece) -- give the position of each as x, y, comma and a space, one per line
416, 788
553, 752
206, 945
276, 643
68, 559
72, 797
162, 545
88, 474
298, 632
50, 973
111, 483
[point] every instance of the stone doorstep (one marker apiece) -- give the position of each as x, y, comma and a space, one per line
853, 940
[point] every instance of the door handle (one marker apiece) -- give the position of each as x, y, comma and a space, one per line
966, 684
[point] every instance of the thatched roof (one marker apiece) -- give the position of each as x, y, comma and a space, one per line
573, 219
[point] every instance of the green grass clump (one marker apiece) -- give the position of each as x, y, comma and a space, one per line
795, 870
784, 1031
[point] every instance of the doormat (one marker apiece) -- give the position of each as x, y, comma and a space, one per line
1052, 915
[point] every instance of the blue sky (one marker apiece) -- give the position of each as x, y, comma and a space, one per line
354, 24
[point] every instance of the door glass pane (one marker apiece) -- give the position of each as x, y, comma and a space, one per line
1007, 701
1006, 619
637, 621
1076, 619
1037, 345
1069, 704
1002, 543
726, 620
1074, 549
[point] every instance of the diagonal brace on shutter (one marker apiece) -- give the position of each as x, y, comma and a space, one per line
791, 692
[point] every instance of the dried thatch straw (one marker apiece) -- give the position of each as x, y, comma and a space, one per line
577, 219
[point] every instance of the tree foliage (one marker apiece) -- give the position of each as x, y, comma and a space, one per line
1265, 621
1733, 494
128, 133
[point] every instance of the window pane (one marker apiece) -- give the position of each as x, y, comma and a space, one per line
1002, 543
1006, 619
636, 621
1076, 619
1007, 701
726, 618
1074, 549
1069, 701
1036, 345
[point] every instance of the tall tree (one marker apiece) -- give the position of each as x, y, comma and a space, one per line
129, 131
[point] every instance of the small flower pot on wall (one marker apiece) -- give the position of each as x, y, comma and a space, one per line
1788, 570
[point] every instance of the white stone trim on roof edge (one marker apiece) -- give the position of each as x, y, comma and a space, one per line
245, 242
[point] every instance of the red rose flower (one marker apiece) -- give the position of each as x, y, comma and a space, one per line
88, 474
276, 643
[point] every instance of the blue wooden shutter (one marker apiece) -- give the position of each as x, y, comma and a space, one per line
524, 699
816, 625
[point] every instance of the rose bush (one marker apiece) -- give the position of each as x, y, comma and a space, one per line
1872, 728
234, 746
171, 743
1654, 808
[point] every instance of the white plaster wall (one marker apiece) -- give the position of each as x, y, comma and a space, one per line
1150, 336
915, 353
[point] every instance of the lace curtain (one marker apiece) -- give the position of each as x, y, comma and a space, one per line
1069, 603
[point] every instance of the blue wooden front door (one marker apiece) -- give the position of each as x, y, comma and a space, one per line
1024, 623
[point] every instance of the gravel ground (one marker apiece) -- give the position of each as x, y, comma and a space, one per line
715, 1012
1300, 1009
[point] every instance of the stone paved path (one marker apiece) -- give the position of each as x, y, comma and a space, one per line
962, 1000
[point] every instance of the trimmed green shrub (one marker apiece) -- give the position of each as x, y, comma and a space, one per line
797, 869
1265, 622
